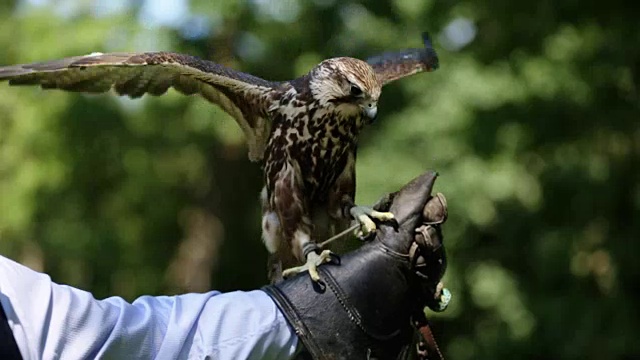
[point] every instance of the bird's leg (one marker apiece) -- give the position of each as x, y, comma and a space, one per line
366, 215
313, 261
309, 251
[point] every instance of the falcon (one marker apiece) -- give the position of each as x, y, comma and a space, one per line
303, 131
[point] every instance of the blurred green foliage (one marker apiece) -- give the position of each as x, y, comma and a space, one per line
533, 122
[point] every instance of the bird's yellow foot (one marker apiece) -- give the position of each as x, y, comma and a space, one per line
313, 261
365, 216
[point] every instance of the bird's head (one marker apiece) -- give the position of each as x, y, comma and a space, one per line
350, 85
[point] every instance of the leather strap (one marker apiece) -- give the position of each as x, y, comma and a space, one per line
428, 349
428, 245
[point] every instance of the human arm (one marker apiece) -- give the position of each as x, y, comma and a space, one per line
51, 321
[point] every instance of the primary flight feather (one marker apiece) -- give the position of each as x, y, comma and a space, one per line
305, 131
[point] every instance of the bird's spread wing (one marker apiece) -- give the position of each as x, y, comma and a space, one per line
392, 66
245, 97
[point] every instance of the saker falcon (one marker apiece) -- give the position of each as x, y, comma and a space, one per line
305, 131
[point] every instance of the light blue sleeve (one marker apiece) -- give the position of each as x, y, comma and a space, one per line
51, 321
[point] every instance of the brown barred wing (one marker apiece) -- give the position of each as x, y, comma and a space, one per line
245, 97
394, 65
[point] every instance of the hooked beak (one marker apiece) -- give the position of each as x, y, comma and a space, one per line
371, 111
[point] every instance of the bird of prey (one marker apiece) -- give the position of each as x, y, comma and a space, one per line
304, 131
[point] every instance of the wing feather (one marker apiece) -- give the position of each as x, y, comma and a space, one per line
391, 66
245, 97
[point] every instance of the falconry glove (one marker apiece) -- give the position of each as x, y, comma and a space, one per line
369, 304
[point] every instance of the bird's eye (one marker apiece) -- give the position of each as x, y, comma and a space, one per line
356, 91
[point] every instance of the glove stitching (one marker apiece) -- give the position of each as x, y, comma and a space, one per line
352, 312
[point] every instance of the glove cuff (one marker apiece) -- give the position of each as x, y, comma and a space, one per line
360, 310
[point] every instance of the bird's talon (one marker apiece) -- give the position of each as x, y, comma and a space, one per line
367, 225
335, 259
313, 273
325, 256
313, 261
366, 216
382, 216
